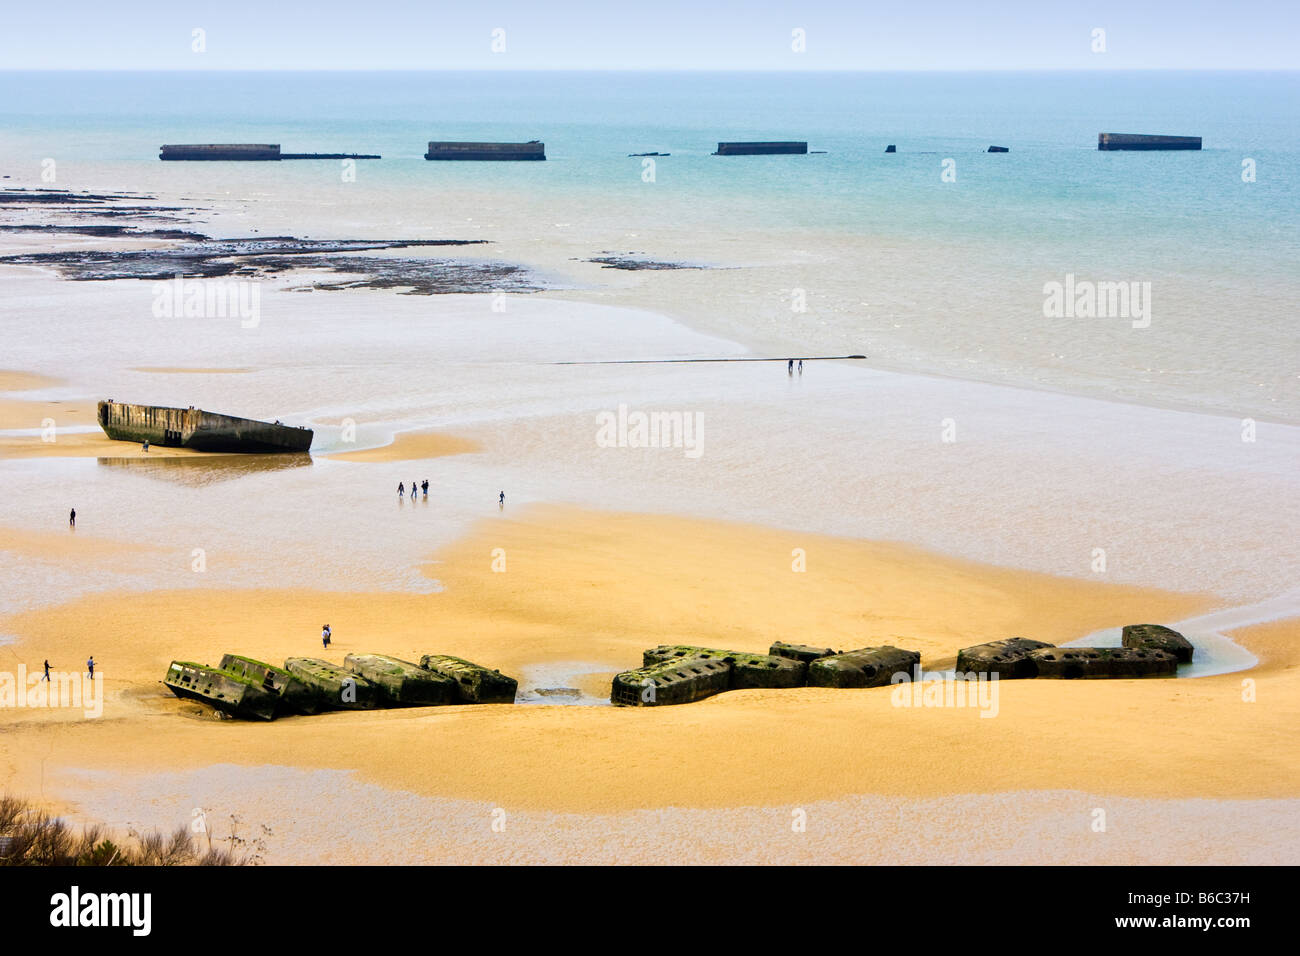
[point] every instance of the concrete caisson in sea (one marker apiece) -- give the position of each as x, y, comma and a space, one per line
401, 682
230, 693
747, 670
335, 688
1157, 637
1110, 141
197, 429
243, 152
533, 150
677, 681
762, 148
865, 667
1077, 663
475, 684
1008, 659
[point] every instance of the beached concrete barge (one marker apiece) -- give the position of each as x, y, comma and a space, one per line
243, 152
800, 652
1078, 663
229, 693
762, 149
865, 667
1009, 659
1146, 141
475, 684
1157, 637
295, 696
402, 683
532, 150
747, 670
200, 430
678, 681
334, 687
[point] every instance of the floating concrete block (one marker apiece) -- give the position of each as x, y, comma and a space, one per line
1074, 663
998, 149
334, 687
1146, 141
762, 148
865, 667
1157, 637
531, 150
401, 682
747, 670
295, 696
229, 693
677, 681
1008, 659
891, 148
799, 652
475, 684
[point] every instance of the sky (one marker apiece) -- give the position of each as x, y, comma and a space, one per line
650, 35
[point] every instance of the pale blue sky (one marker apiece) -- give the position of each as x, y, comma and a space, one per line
651, 34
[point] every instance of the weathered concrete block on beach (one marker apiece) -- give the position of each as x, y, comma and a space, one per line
1076, 663
335, 688
676, 681
799, 652
197, 429
475, 684
1008, 659
229, 693
865, 667
1157, 637
401, 682
747, 670
295, 696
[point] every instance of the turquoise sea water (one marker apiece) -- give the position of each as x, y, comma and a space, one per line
1052, 185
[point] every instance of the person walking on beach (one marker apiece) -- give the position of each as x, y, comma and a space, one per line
72, 518
424, 487
47, 671
801, 366
789, 367
90, 664
502, 500
325, 636
414, 488
401, 489
146, 444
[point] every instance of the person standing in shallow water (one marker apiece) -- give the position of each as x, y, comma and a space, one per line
801, 366
424, 487
72, 518
414, 488
789, 367
502, 500
401, 489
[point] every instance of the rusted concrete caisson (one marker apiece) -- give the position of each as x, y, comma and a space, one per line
747, 670
799, 652
1008, 659
295, 696
865, 667
762, 148
1146, 141
230, 693
475, 684
334, 687
1157, 637
677, 681
401, 682
197, 429
1076, 663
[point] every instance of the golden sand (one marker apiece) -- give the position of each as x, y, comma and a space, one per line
597, 589
413, 446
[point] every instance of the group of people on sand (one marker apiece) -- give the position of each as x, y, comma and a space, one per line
90, 666
423, 486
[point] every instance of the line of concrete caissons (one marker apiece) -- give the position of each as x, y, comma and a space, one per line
670, 673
